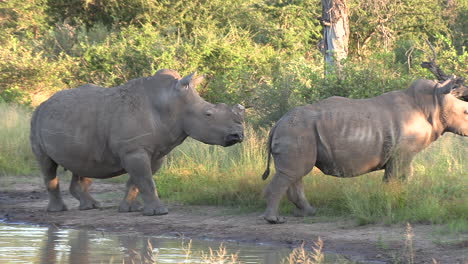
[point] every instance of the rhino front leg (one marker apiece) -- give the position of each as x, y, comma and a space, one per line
398, 169
130, 203
79, 188
297, 196
138, 165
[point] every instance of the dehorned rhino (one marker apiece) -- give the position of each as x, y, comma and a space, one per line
349, 137
98, 132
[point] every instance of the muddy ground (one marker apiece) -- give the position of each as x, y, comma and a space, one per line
24, 199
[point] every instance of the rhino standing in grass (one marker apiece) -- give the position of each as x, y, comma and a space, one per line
349, 137
98, 132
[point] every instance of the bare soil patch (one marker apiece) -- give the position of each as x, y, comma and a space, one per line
24, 199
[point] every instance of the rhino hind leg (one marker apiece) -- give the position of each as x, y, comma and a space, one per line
273, 194
292, 162
138, 165
49, 171
130, 202
79, 188
297, 197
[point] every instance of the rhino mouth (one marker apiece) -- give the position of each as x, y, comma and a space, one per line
232, 139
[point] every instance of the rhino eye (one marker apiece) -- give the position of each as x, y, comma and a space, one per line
209, 112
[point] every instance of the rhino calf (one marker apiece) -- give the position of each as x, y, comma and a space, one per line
98, 132
349, 137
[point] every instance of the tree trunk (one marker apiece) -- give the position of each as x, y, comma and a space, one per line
335, 33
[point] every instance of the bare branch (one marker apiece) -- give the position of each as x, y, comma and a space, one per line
459, 89
433, 67
434, 54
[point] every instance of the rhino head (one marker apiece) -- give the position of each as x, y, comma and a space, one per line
454, 106
214, 124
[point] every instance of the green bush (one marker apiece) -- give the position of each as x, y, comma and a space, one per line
262, 54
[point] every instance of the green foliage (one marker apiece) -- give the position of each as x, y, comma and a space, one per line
260, 53
24, 73
380, 24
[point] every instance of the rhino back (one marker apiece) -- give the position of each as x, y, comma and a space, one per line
73, 128
351, 136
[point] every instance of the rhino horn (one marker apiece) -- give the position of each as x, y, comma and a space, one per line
239, 106
190, 81
238, 109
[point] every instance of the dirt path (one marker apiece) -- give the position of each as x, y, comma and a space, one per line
25, 202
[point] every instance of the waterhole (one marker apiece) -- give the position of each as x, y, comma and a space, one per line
22, 243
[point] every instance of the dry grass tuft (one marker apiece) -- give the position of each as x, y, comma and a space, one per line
302, 256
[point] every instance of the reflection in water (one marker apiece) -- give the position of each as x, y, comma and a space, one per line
52, 245
131, 252
79, 248
48, 253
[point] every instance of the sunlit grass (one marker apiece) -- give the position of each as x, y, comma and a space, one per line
200, 174
15, 152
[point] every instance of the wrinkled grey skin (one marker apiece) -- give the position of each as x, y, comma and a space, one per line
346, 137
100, 132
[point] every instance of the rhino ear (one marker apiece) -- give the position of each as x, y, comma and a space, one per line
197, 80
446, 86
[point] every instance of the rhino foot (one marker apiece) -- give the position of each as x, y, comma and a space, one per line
90, 204
133, 206
275, 219
155, 211
310, 211
56, 207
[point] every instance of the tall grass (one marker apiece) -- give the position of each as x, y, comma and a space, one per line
15, 152
199, 174
196, 173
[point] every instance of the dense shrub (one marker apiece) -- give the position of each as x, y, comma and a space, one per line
260, 53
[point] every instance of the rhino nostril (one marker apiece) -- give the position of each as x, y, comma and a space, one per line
234, 137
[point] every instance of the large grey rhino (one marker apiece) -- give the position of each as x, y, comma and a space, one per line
349, 137
98, 132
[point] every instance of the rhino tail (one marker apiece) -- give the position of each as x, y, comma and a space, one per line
267, 171
270, 137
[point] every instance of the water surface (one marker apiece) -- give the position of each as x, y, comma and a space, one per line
21, 243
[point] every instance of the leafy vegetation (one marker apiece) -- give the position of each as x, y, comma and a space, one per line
260, 53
